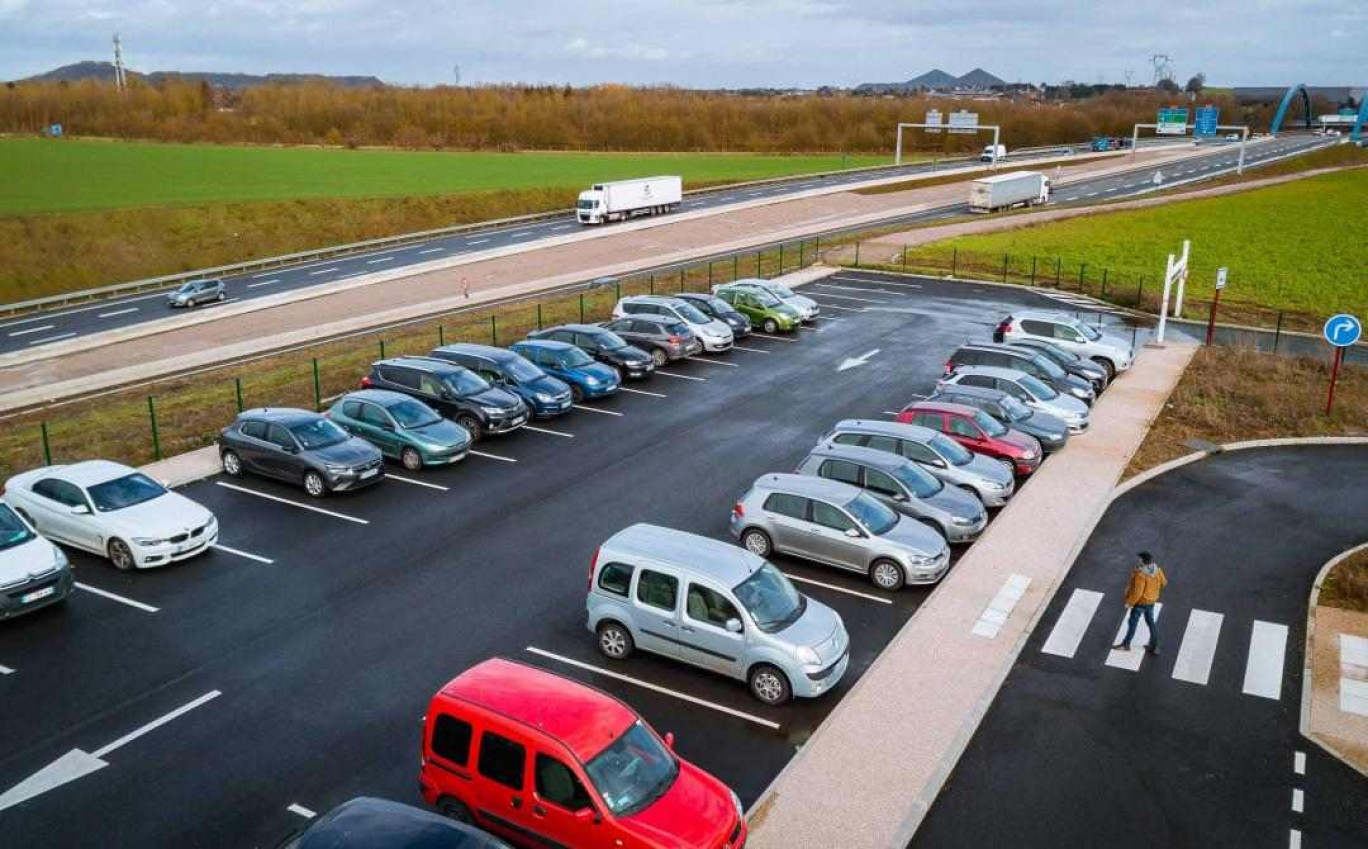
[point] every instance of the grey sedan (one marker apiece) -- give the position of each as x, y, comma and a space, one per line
197, 292
298, 446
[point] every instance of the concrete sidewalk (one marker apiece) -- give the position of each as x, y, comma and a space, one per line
874, 767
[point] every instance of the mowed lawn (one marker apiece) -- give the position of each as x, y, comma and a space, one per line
1298, 246
43, 175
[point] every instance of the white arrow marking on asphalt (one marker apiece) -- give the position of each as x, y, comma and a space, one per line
78, 764
852, 362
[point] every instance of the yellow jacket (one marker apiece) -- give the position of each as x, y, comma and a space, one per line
1144, 588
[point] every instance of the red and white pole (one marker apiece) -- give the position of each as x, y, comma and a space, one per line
1334, 378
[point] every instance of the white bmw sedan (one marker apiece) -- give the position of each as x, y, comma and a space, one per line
114, 511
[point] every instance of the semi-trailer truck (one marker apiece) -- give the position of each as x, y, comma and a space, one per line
1004, 191
623, 199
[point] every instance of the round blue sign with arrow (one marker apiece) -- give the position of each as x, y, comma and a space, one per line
1343, 330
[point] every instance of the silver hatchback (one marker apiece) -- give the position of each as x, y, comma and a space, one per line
839, 525
713, 605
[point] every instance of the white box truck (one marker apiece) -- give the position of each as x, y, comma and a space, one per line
1004, 191
625, 199
993, 152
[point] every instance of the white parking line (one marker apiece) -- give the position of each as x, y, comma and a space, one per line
155, 724
47, 339
828, 318
881, 282
642, 392
845, 309
809, 329
258, 558
712, 362
288, 501
1298, 801
793, 577
492, 456
380, 259
549, 431
891, 413
301, 811
857, 289
774, 337
5, 670
597, 410
263, 283
850, 298
327, 270
681, 376
749, 350
1294, 839
116, 312
1299, 763
435, 486
38, 329
146, 608
654, 688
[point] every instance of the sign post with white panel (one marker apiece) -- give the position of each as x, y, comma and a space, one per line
1176, 272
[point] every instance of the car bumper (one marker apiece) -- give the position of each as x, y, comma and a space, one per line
550, 410
1078, 427
152, 556
638, 371
810, 685
354, 480
36, 594
966, 533
931, 572
717, 346
505, 425
1025, 467
997, 498
445, 456
603, 390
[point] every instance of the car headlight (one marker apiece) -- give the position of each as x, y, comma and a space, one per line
61, 558
915, 560
1028, 455
590, 380
336, 469
543, 397
493, 411
736, 802
961, 520
149, 541
807, 656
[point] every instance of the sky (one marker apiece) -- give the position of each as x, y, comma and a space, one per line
701, 43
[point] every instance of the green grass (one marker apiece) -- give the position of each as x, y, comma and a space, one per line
73, 175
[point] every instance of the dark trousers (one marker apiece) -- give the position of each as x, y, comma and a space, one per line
1136, 611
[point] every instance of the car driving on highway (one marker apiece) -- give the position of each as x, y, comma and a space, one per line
603, 345
34, 573
1035, 394
195, 292
1112, 353
299, 447
403, 428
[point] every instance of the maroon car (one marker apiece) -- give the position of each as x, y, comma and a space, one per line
977, 431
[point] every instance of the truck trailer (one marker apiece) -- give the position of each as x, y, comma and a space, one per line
623, 199
1004, 191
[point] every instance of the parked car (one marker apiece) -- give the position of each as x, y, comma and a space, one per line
545, 396
666, 340
603, 345
545, 760
764, 310
1079, 367
715, 334
807, 307
369, 823
1025, 360
959, 516
991, 480
1035, 394
196, 292
403, 428
713, 306
114, 511
587, 379
1112, 353
34, 573
1050, 432
840, 525
726, 610
301, 447
977, 431
454, 391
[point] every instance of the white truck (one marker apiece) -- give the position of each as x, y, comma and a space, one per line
625, 199
993, 152
1004, 191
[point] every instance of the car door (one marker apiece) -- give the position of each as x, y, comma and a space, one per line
928, 418
707, 642
884, 486
251, 446
559, 799
1011, 387
922, 455
586, 343
282, 457
655, 608
831, 540
379, 429
499, 790
49, 507
966, 433
788, 524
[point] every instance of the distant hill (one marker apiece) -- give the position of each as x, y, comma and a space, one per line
105, 71
936, 80
979, 78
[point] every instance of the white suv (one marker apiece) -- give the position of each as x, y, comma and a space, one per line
1113, 354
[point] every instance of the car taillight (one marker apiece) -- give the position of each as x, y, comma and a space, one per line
593, 564
676, 340
366, 382
949, 366
739, 510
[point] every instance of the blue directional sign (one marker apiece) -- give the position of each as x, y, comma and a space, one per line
1343, 330
1206, 120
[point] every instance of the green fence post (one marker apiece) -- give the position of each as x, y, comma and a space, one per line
781, 259
758, 271
318, 387
681, 279
857, 253
152, 419
441, 336
47, 446
1059, 268
617, 285
494, 330
1005, 259
954, 261
800, 253
539, 318
1033, 269
710, 283
1277, 334
817, 249
1082, 272
1104, 282
581, 299
652, 284
736, 266
904, 258
238, 385
382, 349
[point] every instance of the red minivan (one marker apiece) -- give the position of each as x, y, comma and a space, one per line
977, 431
547, 762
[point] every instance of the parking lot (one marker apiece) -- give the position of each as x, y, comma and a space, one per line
322, 627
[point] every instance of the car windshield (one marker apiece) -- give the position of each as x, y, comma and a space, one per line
319, 433
633, 771
920, 482
610, 341
781, 290
691, 313
523, 371
125, 492
575, 358
988, 424
869, 511
587, 204
720, 306
188, 287
413, 414
1088, 332
951, 450
12, 531
1015, 410
767, 300
1048, 366
1037, 388
466, 382
770, 599
677, 327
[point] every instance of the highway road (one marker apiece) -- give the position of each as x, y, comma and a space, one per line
46, 328
1199, 746
288, 670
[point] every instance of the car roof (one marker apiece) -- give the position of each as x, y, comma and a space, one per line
1002, 349
665, 300
1045, 315
549, 344
945, 407
369, 823
88, 473
582, 718
279, 415
695, 296
578, 328
725, 563
991, 371
432, 364
899, 430
383, 397
984, 392
808, 485
478, 350
884, 460
655, 319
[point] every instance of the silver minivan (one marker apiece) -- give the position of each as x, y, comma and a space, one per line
715, 334
1034, 393
839, 525
704, 602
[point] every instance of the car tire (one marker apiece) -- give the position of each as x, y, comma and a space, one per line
576, 394
757, 542
121, 555
887, 575
660, 358
770, 326
222, 296
471, 424
769, 685
615, 641
314, 484
1108, 365
410, 459
232, 464
455, 809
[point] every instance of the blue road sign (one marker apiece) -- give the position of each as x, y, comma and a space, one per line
1206, 120
1343, 330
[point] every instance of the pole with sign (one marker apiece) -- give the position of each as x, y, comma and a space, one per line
1341, 331
1176, 271
1215, 302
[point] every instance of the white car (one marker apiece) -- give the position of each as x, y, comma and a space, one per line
807, 307
34, 573
1113, 354
1034, 393
114, 511
715, 334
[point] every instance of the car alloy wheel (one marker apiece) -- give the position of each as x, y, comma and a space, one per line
770, 326
1106, 364
886, 575
314, 484
659, 358
471, 424
455, 809
412, 460
614, 641
121, 555
769, 685
232, 464
576, 394
757, 542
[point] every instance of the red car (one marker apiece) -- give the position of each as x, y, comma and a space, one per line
546, 761
977, 431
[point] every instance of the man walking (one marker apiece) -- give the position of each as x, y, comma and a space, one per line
1142, 593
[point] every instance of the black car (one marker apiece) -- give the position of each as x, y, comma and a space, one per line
603, 345
545, 396
714, 307
454, 391
1025, 360
1093, 372
368, 823
1050, 432
301, 447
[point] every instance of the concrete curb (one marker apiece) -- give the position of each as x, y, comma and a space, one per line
1280, 442
1304, 723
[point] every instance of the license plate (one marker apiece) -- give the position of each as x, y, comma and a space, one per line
369, 473
37, 595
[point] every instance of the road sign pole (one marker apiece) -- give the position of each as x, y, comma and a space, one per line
1334, 378
1182, 281
1164, 302
1211, 322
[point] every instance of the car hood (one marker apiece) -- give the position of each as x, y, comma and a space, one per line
352, 452
598, 370
548, 384
695, 812
1021, 440
164, 516
990, 469
630, 354
33, 558
909, 533
441, 432
717, 327
1112, 343
802, 301
819, 628
956, 502
1043, 423
1067, 405
495, 397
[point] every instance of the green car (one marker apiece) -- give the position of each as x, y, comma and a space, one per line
403, 428
764, 310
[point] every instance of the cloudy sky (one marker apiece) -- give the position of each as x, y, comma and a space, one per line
703, 43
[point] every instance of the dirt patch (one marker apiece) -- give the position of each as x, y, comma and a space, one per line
1346, 587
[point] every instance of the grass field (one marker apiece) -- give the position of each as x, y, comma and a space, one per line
73, 175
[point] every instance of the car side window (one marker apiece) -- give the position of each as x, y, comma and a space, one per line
254, 429
881, 482
883, 443
966, 358
657, 590
615, 578
428, 385
840, 470
279, 436
1012, 389
585, 341
1067, 333
849, 439
502, 760
918, 452
710, 607
932, 420
977, 380
371, 414
648, 327
793, 506
60, 491
1037, 328
351, 409
633, 309
557, 784
402, 376
961, 427
451, 739
829, 517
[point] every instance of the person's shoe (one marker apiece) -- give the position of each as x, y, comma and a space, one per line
1152, 650
1121, 647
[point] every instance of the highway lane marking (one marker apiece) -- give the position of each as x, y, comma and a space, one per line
276, 498
124, 311
301, 811
597, 410
327, 270
145, 608
685, 697
1072, 623
562, 227
1131, 659
1198, 650
712, 362
48, 316
488, 456
643, 392
47, 339
850, 298
435, 486
749, 350
379, 260
519, 234
1264, 668
843, 309
270, 282
857, 593
1298, 801
549, 431
258, 558
38, 329
432, 250
476, 241
1299, 763
681, 376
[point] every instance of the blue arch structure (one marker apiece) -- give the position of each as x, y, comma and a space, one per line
1287, 101
1357, 132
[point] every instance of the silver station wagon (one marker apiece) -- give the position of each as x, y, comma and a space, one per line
713, 605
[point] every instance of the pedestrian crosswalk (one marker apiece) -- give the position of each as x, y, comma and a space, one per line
1084, 302
1264, 643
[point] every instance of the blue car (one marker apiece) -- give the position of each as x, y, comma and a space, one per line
543, 394
587, 378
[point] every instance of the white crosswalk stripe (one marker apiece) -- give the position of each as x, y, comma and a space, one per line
1131, 659
1073, 622
1199, 647
1264, 667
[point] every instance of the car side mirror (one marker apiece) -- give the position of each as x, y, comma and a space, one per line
589, 814
387, 426
669, 740
289, 449
80, 510
853, 533
734, 625
899, 496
